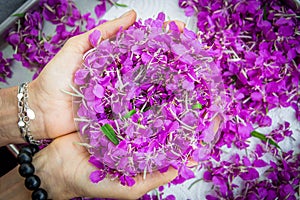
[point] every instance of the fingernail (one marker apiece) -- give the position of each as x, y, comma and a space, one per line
126, 14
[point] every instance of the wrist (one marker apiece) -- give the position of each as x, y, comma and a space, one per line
54, 110
37, 125
50, 169
9, 131
12, 186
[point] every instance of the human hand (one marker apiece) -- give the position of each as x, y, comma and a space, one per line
53, 108
64, 171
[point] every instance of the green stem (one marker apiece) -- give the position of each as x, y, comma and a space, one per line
264, 138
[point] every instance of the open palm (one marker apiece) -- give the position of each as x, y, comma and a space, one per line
54, 105
67, 174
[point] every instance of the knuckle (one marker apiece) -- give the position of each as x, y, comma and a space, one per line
70, 41
104, 33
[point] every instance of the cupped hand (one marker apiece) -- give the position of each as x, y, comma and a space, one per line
64, 171
53, 107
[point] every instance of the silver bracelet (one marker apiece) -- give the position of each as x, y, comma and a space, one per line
25, 114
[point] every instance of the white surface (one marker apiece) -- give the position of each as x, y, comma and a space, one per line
148, 8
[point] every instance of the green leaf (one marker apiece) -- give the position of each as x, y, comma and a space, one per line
233, 78
146, 109
265, 13
110, 133
120, 5
264, 138
197, 106
129, 114
19, 15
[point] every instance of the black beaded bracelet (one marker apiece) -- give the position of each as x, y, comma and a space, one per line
26, 169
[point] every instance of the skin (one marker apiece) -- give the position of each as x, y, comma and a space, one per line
56, 103
64, 170
63, 166
72, 160
52, 107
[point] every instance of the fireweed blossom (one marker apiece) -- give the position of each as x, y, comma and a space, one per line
5, 71
257, 43
33, 46
148, 100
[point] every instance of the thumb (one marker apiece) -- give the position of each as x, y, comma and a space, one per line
156, 179
80, 43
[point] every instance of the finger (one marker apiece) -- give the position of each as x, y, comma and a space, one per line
142, 186
217, 123
113, 189
191, 163
154, 180
108, 29
178, 23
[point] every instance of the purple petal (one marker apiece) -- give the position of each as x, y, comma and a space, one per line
100, 9
130, 181
256, 96
127, 180
186, 172
244, 131
80, 75
189, 11
93, 160
207, 176
13, 39
95, 37
161, 16
97, 176
286, 31
189, 86
246, 161
98, 91
259, 163
250, 175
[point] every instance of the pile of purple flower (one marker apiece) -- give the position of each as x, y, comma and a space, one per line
33, 46
5, 71
258, 46
150, 99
